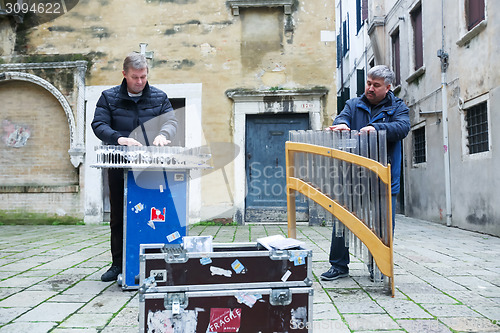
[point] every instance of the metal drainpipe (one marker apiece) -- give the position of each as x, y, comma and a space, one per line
447, 178
444, 99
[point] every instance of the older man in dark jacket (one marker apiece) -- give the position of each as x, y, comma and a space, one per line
119, 119
377, 109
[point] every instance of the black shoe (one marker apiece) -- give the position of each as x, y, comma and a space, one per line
111, 274
333, 274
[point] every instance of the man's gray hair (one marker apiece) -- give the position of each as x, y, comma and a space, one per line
382, 72
135, 61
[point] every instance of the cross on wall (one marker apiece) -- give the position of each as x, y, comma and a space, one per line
148, 54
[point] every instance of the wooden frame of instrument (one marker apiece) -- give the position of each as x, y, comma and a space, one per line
382, 253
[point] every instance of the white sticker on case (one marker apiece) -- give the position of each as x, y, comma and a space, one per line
220, 271
173, 236
286, 276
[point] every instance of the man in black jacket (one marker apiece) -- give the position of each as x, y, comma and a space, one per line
119, 116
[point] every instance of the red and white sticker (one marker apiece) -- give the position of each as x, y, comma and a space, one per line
224, 320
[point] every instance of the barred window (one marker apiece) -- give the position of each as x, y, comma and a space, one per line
476, 118
419, 145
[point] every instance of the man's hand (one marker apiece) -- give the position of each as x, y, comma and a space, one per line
123, 141
161, 140
368, 129
339, 127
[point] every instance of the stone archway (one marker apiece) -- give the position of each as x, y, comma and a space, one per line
21, 76
74, 108
41, 178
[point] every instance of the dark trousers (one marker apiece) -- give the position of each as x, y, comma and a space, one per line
339, 253
116, 193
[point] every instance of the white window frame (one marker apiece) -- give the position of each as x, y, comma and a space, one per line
414, 74
465, 34
396, 27
421, 164
463, 108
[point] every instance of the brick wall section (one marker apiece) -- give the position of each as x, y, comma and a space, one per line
44, 203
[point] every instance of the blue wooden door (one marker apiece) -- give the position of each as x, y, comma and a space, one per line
266, 166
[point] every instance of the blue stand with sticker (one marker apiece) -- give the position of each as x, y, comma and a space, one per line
155, 211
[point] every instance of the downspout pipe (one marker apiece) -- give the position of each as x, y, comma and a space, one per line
444, 100
447, 177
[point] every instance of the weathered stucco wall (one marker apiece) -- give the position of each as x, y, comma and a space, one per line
7, 37
471, 77
197, 41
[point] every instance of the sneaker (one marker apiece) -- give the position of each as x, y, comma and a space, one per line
379, 279
333, 274
111, 274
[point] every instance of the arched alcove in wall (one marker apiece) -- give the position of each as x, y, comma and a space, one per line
21, 76
36, 134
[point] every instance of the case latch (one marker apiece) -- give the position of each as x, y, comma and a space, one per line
279, 254
174, 254
147, 284
280, 297
175, 302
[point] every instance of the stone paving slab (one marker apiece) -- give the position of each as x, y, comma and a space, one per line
34, 327
50, 311
87, 320
447, 280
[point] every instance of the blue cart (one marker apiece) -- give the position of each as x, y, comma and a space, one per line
156, 197
156, 211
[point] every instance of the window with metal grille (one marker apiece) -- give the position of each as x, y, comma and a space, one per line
419, 145
476, 118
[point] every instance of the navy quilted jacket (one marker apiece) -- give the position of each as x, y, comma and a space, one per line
117, 115
391, 115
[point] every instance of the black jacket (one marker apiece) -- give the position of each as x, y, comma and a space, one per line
118, 115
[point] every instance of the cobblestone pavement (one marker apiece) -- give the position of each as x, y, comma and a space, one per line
447, 280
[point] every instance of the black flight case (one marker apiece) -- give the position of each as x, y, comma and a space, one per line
236, 287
